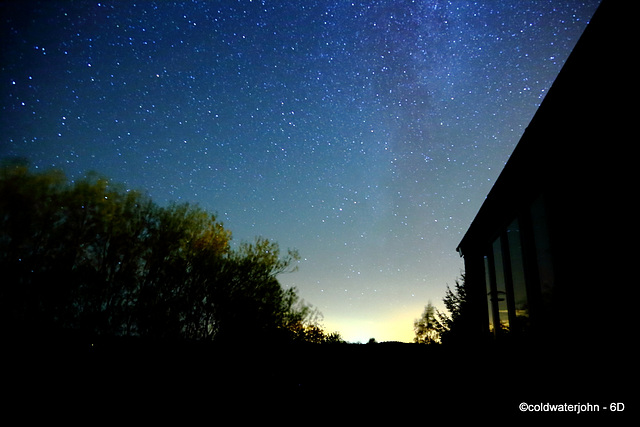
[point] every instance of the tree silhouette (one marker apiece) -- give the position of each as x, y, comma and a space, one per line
458, 326
93, 259
426, 327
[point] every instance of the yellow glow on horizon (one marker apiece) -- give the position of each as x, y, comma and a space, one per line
392, 326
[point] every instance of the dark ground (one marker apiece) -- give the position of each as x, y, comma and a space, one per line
302, 384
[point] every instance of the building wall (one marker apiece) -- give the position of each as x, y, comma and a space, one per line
542, 257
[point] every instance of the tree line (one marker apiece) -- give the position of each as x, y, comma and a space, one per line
90, 258
455, 326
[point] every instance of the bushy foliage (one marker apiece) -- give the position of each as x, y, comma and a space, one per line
426, 328
96, 259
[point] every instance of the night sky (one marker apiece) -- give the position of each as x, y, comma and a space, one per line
365, 134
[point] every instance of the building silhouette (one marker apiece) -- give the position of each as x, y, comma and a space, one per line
547, 256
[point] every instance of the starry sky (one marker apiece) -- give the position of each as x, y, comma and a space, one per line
364, 134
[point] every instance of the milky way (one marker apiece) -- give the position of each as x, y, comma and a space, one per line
364, 134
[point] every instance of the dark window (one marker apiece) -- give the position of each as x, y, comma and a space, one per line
520, 310
542, 249
487, 278
506, 283
500, 293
